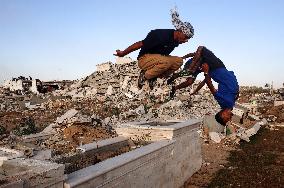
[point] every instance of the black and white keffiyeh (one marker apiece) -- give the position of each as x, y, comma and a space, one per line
185, 27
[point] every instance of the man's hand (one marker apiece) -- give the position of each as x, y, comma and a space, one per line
129, 49
205, 68
119, 53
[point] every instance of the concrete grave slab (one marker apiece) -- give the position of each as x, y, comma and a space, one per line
33, 173
169, 161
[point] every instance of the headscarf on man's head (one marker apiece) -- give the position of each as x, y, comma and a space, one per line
184, 27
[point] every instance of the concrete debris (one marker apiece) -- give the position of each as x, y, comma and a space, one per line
216, 137
123, 60
140, 110
109, 90
246, 134
68, 115
211, 125
45, 120
128, 95
43, 155
7, 154
49, 128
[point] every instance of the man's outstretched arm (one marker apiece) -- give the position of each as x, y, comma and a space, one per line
131, 48
188, 82
205, 69
200, 85
196, 58
188, 55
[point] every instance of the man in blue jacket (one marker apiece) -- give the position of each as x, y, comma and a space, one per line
228, 88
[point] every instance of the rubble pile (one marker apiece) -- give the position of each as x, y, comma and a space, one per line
90, 109
264, 103
273, 113
116, 86
73, 129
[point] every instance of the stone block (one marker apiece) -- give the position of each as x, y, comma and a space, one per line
278, 103
15, 184
168, 162
92, 153
7, 154
104, 67
37, 136
123, 60
143, 167
34, 173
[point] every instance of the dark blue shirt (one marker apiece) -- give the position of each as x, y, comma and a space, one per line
228, 87
159, 41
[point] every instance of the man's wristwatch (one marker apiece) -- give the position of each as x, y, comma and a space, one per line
205, 74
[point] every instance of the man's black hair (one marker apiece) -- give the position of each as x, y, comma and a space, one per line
219, 119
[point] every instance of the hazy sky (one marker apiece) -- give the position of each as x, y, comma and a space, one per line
65, 39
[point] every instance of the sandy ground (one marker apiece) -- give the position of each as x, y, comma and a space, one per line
259, 163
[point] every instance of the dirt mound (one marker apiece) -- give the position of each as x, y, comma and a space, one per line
258, 163
82, 134
275, 113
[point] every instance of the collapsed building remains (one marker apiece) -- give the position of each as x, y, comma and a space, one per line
22, 85
85, 125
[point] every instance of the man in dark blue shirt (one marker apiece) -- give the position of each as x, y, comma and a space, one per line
154, 59
213, 67
227, 93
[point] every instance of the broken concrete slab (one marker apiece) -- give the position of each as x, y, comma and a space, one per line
151, 162
186, 135
49, 129
278, 103
37, 136
211, 125
69, 114
102, 143
34, 173
43, 154
7, 154
123, 60
246, 134
216, 137
14, 184
92, 153
104, 66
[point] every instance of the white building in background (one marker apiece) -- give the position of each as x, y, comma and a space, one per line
13, 85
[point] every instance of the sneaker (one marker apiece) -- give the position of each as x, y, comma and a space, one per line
141, 79
152, 83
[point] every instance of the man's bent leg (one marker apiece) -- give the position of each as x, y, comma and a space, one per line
176, 63
157, 65
157, 71
166, 66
